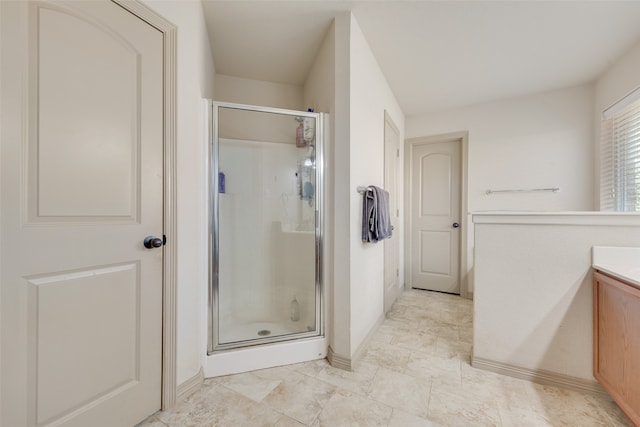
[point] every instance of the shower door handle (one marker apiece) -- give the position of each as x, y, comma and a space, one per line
151, 242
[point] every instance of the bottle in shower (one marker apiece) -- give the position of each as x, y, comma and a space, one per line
295, 309
300, 142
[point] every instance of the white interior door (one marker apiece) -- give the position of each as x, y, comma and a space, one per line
82, 185
435, 216
392, 285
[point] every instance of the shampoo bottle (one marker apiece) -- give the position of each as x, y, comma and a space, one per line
300, 142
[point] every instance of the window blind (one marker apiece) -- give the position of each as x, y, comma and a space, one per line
620, 158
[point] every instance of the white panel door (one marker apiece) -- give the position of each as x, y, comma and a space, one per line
392, 285
82, 185
435, 216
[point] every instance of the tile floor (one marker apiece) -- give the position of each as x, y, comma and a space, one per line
416, 372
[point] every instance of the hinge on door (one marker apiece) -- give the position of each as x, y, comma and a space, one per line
397, 212
397, 272
397, 152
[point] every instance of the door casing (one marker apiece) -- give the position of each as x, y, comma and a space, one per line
169, 292
465, 223
392, 246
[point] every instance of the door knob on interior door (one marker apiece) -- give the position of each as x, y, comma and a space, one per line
456, 225
151, 242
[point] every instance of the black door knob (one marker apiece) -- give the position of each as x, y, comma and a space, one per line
151, 242
456, 225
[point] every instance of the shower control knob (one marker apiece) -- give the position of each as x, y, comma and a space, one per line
151, 242
456, 225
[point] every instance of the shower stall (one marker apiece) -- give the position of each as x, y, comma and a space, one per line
265, 288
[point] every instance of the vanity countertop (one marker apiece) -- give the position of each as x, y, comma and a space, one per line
620, 262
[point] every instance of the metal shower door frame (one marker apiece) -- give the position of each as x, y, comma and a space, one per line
212, 123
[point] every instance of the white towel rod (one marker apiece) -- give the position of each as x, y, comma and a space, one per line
362, 189
528, 190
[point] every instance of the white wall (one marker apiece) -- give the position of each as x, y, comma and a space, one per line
618, 80
542, 140
533, 298
346, 81
257, 92
370, 97
195, 81
535, 141
254, 126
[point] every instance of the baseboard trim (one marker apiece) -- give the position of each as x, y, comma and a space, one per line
539, 376
338, 361
362, 348
190, 386
346, 363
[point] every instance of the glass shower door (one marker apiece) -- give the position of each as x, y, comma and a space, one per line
265, 226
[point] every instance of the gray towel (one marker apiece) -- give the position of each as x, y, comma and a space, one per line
376, 221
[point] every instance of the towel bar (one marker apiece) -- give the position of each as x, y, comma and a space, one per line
528, 190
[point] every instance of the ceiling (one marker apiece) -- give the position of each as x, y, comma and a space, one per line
435, 54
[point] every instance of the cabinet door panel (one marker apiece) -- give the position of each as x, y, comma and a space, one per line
616, 354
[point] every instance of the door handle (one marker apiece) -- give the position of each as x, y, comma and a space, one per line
456, 225
151, 242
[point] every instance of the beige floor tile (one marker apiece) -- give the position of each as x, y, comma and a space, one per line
394, 325
423, 314
279, 373
507, 391
403, 419
416, 372
434, 368
387, 356
347, 409
566, 408
382, 336
452, 316
401, 391
219, 406
515, 417
415, 340
152, 421
356, 381
301, 399
460, 409
312, 368
250, 385
465, 332
447, 331
448, 348
285, 421
613, 411
465, 318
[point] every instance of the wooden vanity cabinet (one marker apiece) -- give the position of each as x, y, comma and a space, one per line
616, 341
